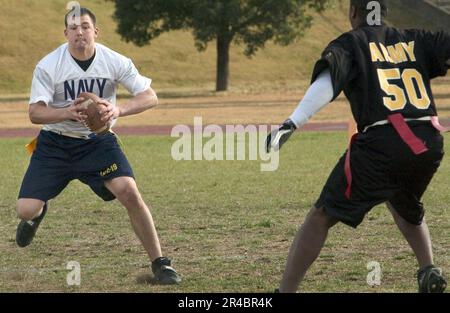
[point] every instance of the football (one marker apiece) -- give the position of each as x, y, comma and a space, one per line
93, 110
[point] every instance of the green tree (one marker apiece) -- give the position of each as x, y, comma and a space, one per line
250, 23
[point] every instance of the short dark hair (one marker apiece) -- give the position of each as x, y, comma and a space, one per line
361, 7
83, 11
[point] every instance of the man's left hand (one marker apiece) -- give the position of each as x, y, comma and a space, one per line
278, 138
109, 112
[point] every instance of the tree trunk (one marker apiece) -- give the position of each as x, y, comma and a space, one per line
223, 62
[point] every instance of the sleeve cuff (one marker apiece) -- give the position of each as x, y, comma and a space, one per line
39, 99
146, 86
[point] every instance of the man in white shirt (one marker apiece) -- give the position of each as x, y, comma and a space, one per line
67, 150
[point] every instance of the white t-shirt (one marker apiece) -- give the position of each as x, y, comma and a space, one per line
58, 80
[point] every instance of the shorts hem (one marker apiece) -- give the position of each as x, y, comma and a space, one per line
332, 213
33, 198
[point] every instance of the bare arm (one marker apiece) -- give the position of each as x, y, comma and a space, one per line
138, 104
40, 113
142, 102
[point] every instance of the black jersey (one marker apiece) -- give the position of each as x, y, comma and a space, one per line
383, 70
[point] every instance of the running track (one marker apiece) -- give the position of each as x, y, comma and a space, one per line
166, 130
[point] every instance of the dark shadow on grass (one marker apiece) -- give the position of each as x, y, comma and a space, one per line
146, 279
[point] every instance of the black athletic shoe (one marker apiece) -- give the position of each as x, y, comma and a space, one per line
164, 272
27, 229
431, 280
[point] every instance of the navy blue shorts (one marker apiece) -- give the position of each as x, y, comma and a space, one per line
58, 160
384, 169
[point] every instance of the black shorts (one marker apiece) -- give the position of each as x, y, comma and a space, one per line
384, 169
58, 160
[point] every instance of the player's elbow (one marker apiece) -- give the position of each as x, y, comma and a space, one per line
152, 102
34, 119
33, 113
151, 99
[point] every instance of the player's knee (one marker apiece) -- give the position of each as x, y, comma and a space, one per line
409, 213
321, 218
128, 193
27, 212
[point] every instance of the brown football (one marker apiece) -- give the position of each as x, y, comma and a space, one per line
93, 111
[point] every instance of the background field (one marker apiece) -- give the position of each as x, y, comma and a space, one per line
227, 226
264, 89
30, 29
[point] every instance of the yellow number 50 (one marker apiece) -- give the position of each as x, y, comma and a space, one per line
397, 99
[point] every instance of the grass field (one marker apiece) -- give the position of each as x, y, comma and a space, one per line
227, 226
30, 29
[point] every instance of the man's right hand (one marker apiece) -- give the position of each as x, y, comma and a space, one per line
40, 113
278, 138
75, 112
